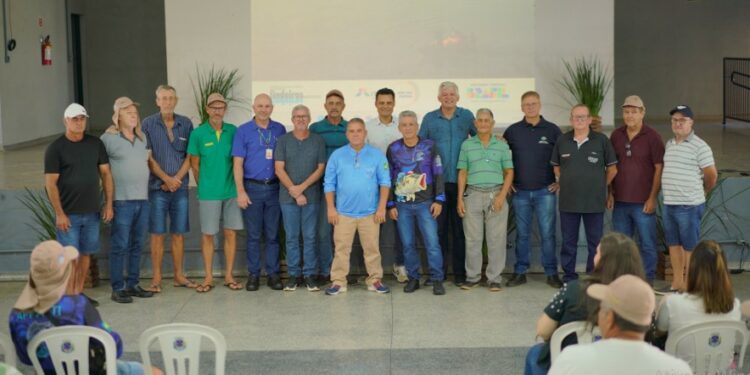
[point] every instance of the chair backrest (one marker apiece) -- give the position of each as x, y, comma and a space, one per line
584, 335
714, 344
180, 345
8, 350
68, 345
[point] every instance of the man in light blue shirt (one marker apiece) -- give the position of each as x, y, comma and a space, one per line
357, 183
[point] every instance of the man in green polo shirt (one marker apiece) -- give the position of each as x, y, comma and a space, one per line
210, 149
485, 164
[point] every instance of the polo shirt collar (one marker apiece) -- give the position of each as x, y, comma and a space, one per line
255, 124
177, 120
542, 122
330, 123
456, 113
493, 140
388, 125
624, 130
690, 137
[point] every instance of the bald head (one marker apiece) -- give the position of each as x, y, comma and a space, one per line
263, 107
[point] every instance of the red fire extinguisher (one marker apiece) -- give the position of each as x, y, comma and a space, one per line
46, 51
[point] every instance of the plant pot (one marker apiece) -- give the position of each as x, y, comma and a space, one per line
596, 123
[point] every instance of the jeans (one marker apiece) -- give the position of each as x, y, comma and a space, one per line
451, 232
83, 233
541, 204
398, 247
532, 356
408, 214
570, 223
325, 246
169, 204
262, 217
682, 225
629, 217
300, 218
129, 228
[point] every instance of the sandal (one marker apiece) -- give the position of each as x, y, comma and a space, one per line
187, 284
204, 288
233, 285
153, 288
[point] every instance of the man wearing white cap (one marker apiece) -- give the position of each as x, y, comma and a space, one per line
625, 313
73, 166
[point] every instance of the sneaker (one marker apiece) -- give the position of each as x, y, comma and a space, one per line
554, 281
253, 283
379, 287
411, 286
516, 279
311, 285
459, 280
335, 289
400, 273
291, 285
437, 288
274, 282
495, 287
468, 285
121, 296
139, 292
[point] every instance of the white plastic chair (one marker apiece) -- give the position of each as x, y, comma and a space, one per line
6, 344
70, 344
180, 345
714, 344
585, 336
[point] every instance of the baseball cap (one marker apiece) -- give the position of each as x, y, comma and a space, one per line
335, 92
120, 104
50, 271
75, 110
628, 296
215, 97
633, 101
685, 110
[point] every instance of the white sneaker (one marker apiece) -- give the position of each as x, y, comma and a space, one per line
400, 273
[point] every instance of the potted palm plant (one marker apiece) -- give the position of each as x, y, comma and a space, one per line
587, 81
211, 80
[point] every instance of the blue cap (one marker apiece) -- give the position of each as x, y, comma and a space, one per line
685, 110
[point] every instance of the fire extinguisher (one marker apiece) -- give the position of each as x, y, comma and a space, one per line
46, 51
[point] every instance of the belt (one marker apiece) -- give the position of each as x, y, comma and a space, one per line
485, 189
272, 181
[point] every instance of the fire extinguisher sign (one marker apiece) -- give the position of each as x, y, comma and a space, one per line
46, 51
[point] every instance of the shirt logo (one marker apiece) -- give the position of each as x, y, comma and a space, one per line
208, 144
543, 141
593, 160
565, 155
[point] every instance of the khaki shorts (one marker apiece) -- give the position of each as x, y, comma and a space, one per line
214, 211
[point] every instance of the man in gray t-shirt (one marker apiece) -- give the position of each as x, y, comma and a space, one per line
128, 156
300, 160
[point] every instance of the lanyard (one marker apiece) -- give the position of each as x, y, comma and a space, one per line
265, 141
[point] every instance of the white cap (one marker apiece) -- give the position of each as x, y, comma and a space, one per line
75, 110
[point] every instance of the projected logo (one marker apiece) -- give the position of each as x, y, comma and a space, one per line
487, 92
401, 93
286, 96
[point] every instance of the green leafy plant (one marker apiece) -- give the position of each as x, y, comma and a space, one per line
211, 80
42, 212
588, 81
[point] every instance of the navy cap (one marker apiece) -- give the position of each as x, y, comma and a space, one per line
685, 110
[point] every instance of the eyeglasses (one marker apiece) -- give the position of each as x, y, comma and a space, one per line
300, 117
628, 151
217, 109
681, 121
580, 118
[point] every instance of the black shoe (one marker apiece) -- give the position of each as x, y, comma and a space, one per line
411, 286
121, 296
516, 279
291, 285
92, 301
495, 287
554, 281
274, 282
437, 288
324, 279
459, 280
352, 280
467, 285
311, 284
252, 283
429, 282
139, 292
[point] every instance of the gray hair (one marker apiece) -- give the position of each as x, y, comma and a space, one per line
165, 87
407, 113
301, 107
447, 85
485, 110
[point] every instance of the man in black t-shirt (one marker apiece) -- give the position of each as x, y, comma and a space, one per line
73, 166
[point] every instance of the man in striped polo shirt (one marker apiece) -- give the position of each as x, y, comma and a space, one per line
689, 174
485, 164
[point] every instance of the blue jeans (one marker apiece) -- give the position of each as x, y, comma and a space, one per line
302, 218
172, 204
451, 233
532, 356
682, 225
542, 204
570, 223
262, 217
408, 214
83, 233
629, 217
325, 246
128, 233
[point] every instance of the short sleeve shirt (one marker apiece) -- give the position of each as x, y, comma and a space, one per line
129, 163
484, 165
682, 179
564, 307
448, 135
636, 162
255, 146
583, 176
333, 135
77, 163
216, 178
381, 135
301, 158
169, 154
532, 149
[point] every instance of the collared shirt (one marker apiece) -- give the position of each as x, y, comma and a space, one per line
381, 135
301, 158
448, 135
532, 147
682, 179
170, 155
636, 162
416, 172
333, 135
255, 145
583, 171
485, 165
356, 178
129, 163
216, 179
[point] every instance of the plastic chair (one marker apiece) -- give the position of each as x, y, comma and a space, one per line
8, 350
714, 344
70, 344
585, 336
180, 345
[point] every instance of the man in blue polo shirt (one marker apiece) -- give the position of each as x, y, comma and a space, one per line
357, 184
258, 190
448, 126
532, 140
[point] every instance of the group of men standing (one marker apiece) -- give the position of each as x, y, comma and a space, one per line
449, 178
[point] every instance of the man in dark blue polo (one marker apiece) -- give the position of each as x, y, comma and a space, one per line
532, 140
448, 126
258, 191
